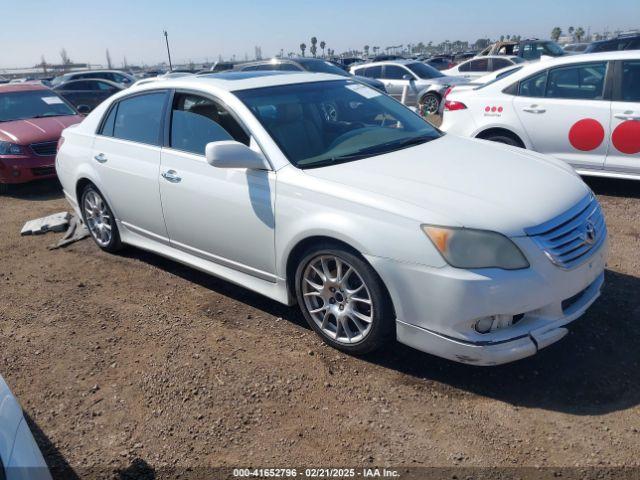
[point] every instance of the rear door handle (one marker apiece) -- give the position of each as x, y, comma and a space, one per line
534, 109
100, 158
627, 116
171, 176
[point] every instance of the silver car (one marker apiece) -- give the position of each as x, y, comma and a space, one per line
426, 85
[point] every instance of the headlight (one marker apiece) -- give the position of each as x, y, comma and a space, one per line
7, 148
468, 248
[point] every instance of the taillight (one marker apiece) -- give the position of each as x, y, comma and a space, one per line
60, 142
451, 105
451, 65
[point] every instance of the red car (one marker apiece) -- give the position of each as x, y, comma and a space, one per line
31, 119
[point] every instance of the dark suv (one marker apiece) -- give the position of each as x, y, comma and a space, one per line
302, 64
622, 42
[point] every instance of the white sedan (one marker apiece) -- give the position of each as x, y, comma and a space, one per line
20, 458
318, 190
480, 66
583, 109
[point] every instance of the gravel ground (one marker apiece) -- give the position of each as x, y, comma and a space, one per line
136, 363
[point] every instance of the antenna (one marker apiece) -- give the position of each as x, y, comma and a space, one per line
166, 38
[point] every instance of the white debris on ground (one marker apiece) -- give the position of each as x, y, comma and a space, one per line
58, 222
73, 227
76, 231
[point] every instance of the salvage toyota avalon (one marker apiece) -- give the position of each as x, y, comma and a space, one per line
318, 190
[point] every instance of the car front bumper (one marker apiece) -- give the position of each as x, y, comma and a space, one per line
23, 168
437, 308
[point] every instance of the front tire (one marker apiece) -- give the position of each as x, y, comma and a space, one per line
343, 299
99, 219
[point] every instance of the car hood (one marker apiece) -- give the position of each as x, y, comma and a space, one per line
473, 183
35, 130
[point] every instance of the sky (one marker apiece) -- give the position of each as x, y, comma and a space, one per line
203, 29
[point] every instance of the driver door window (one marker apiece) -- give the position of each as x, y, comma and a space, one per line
394, 82
196, 121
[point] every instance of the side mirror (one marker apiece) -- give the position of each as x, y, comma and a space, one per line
406, 76
83, 109
232, 154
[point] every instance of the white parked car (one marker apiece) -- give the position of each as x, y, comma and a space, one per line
368, 218
480, 66
20, 458
583, 109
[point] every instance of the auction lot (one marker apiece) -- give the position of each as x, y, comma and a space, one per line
136, 362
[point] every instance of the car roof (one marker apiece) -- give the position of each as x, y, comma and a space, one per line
21, 87
236, 81
389, 62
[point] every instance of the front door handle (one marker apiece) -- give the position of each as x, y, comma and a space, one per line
100, 158
534, 109
171, 176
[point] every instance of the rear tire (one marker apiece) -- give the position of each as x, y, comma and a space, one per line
343, 299
429, 104
99, 219
504, 138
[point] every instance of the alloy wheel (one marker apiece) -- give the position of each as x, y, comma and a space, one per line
98, 218
337, 299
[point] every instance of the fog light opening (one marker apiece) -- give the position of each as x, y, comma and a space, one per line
484, 325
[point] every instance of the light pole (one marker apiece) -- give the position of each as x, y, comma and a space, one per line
166, 38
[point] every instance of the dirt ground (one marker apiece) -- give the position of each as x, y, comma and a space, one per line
136, 363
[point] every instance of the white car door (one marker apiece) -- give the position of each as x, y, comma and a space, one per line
624, 151
224, 215
126, 153
564, 113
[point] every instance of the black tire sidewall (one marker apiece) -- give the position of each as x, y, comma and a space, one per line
504, 139
383, 318
114, 244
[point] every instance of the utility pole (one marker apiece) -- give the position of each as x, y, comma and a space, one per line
166, 38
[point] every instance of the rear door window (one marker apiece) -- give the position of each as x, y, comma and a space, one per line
138, 118
534, 86
499, 63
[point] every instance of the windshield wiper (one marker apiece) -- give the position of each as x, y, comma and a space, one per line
371, 151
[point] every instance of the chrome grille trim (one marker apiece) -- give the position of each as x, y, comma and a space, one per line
44, 149
571, 238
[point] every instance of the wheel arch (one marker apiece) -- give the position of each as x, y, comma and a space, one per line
297, 251
487, 132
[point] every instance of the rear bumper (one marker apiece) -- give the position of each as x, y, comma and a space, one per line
22, 168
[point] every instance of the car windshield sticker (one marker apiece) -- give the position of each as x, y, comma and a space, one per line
364, 91
52, 100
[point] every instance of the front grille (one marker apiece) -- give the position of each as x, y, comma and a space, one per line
42, 171
45, 149
571, 238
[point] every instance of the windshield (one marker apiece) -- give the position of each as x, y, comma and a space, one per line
323, 123
323, 67
424, 71
32, 104
552, 49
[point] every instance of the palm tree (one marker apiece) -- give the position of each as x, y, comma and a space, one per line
366, 50
571, 30
313, 48
322, 45
303, 47
556, 33
579, 33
